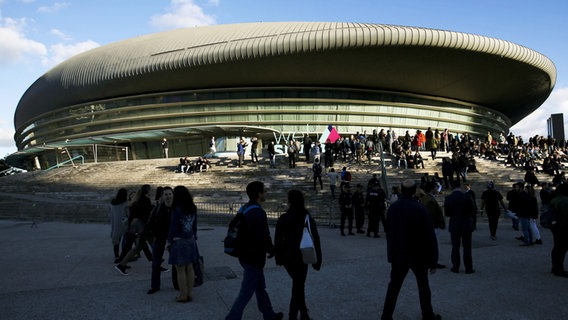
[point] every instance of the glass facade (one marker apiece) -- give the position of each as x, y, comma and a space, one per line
268, 110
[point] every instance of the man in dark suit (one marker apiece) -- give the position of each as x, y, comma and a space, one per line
411, 245
461, 210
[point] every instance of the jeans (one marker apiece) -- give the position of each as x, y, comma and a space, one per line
534, 229
332, 188
526, 228
253, 283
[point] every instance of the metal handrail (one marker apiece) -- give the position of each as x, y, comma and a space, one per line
67, 161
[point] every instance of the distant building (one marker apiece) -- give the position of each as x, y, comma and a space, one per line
555, 125
275, 81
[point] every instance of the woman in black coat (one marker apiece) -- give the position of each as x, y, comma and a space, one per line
287, 237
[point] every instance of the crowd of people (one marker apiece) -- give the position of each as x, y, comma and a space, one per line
169, 222
200, 164
411, 216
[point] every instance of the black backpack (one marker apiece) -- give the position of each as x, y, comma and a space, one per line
231, 241
317, 169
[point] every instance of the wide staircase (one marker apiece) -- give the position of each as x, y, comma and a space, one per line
82, 193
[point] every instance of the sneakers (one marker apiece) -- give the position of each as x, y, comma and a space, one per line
121, 269
162, 269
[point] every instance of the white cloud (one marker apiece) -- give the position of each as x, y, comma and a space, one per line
60, 34
58, 6
214, 3
6, 138
182, 14
14, 45
535, 123
61, 52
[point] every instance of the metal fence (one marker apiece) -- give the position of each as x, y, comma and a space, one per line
222, 212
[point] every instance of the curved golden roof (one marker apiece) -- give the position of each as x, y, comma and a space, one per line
490, 72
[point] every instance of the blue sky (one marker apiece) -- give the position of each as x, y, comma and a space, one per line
35, 35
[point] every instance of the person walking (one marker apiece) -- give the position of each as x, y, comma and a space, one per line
182, 241
118, 220
525, 212
559, 228
287, 238
491, 200
411, 245
257, 244
159, 226
316, 169
535, 233
332, 175
136, 237
460, 209
428, 199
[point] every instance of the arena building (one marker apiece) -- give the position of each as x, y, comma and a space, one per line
275, 81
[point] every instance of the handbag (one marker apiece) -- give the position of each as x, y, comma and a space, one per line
198, 269
307, 244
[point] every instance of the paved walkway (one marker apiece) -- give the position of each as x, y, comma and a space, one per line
64, 271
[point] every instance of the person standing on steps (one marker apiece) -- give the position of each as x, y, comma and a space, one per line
241, 149
254, 149
359, 208
317, 169
272, 154
332, 175
292, 153
346, 208
165, 148
376, 206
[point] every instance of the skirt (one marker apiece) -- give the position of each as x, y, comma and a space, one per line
183, 251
